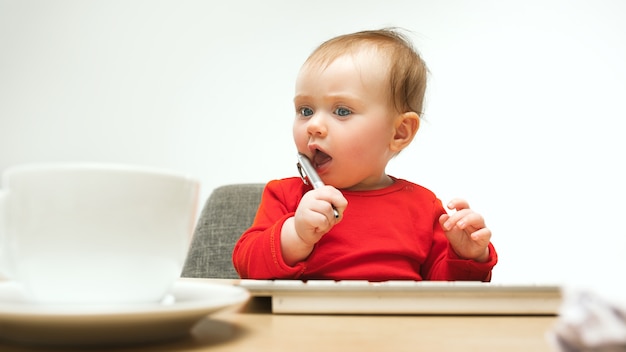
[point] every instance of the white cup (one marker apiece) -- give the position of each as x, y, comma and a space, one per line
95, 233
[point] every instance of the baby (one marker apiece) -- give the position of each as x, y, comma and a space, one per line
358, 102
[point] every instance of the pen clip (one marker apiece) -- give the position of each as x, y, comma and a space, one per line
303, 175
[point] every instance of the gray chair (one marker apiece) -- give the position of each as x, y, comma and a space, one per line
227, 213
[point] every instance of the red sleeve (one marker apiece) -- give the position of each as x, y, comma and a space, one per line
257, 254
443, 264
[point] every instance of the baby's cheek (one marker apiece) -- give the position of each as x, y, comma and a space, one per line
300, 138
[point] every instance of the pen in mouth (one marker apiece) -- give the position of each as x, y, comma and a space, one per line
310, 176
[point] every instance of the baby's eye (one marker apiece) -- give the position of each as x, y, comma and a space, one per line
306, 111
343, 111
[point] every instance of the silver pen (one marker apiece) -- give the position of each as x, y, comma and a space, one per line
310, 176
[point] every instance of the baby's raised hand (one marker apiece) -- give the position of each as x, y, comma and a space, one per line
466, 231
315, 216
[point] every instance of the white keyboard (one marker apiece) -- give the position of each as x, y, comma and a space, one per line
406, 297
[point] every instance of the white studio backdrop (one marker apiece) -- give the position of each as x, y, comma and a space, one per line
524, 112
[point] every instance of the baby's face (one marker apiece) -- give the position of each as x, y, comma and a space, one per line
345, 120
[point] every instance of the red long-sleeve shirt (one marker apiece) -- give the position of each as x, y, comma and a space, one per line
387, 234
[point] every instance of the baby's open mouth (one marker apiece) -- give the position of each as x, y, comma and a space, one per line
320, 158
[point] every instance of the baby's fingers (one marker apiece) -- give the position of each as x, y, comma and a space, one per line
481, 236
458, 204
470, 221
464, 220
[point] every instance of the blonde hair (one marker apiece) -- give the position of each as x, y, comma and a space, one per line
407, 70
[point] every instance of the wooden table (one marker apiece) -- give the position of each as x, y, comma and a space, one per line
254, 328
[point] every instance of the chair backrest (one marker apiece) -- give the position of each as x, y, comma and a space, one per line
227, 213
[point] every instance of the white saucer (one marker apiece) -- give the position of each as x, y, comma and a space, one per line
189, 302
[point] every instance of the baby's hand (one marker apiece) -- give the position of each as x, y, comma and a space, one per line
466, 231
315, 215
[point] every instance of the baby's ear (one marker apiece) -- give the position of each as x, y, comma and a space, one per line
406, 126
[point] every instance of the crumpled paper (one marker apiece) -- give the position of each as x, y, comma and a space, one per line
589, 322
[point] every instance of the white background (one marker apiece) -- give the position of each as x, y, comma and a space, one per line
524, 113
